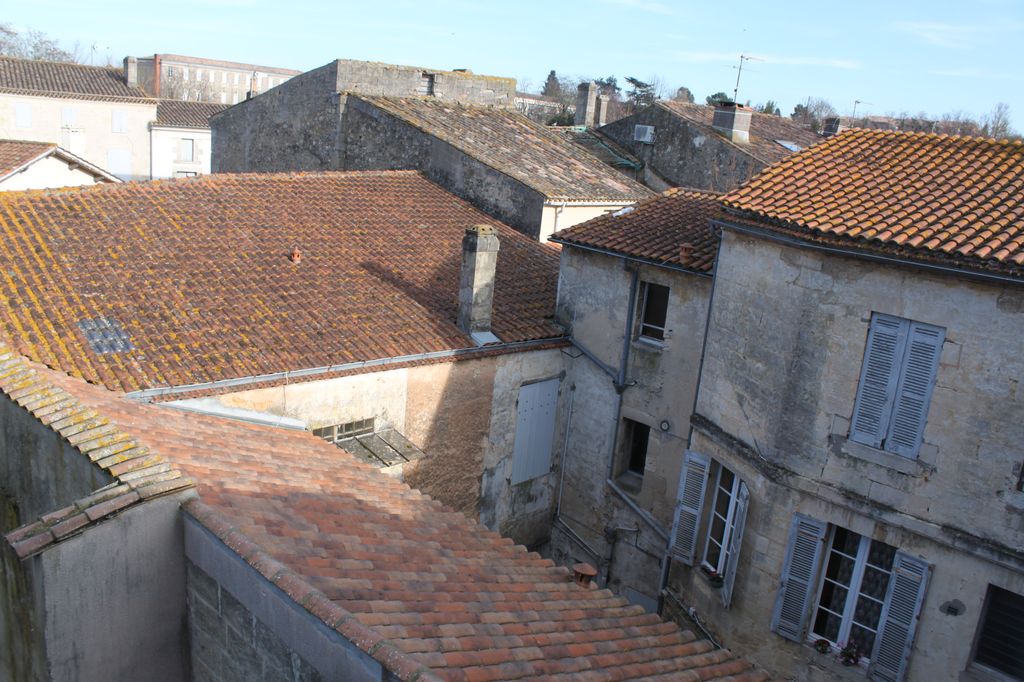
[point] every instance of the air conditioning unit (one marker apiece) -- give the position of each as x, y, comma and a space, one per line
643, 134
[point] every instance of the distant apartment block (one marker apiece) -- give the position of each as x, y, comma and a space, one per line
195, 79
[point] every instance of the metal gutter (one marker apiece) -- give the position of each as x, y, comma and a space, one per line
857, 253
345, 367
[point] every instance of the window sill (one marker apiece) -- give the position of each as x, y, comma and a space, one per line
981, 673
647, 343
889, 460
630, 482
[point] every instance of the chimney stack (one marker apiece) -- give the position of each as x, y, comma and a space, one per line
131, 71
476, 282
733, 121
833, 126
602, 110
586, 103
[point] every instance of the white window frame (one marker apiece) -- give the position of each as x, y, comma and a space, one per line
729, 522
22, 115
182, 156
991, 594
860, 565
648, 331
337, 433
118, 121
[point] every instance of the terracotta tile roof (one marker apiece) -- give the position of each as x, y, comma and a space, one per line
654, 230
16, 153
600, 145
176, 114
935, 198
179, 282
60, 79
513, 144
765, 130
422, 588
135, 473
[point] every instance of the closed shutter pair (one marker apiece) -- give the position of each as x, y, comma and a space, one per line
693, 483
900, 610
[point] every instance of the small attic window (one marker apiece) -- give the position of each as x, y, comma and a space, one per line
340, 432
791, 146
106, 335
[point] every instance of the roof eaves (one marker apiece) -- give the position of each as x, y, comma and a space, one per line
630, 257
25, 164
61, 94
139, 475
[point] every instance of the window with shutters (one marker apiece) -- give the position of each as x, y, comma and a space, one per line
851, 591
653, 312
1000, 641
901, 360
535, 430
718, 517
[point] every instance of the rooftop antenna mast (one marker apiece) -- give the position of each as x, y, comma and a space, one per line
739, 72
855, 103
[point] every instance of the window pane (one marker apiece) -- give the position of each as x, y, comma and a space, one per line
638, 446
864, 639
846, 541
881, 555
655, 310
833, 597
840, 568
874, 583
1001, 643
827, 625
714, 554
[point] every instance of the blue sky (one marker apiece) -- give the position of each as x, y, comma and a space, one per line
907, 56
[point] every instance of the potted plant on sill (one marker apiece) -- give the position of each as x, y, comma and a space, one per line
823, 645
715, 578
849, 655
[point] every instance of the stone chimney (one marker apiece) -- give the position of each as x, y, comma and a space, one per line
476, 282
131, 71
733, 121
833, 126
586, 103
602, 110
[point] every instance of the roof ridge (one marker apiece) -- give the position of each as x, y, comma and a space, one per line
93, 435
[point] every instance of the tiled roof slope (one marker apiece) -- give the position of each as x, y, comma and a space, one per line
420, 586
179, 282
765, 130
937, 198
513, 144
656, 229
136, 473
61, 79
599, 145
16, 153
176, 114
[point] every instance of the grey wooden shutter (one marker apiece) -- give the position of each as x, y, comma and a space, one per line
735, 542
914, 391
799, 577
878, 378
693, 481
535, 430
898, 620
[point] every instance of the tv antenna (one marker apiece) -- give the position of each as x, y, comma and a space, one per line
739, 72
855, 103
92, 54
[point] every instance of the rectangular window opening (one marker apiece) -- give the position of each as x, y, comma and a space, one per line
632, 459
337, 433
653, 311
1000, 643
186, 149
721, 521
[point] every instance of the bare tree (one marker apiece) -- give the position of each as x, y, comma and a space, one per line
996, 123
174, 86
33, 45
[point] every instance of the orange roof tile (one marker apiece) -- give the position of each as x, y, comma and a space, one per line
766, 130
934, 198
655, 230
417, 585
513, 144
179, 282
63, 79
16, 153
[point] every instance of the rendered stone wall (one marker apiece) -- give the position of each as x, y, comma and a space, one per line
391, 80
781, 370
594, 291
685, 154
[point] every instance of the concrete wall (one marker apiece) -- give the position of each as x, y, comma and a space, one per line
22, 645
115, 598
685, 154
243, 627
558, 217
780, 377
52, 120
296, 127
376, 140
50, 172
457, 412
661, 380
167, 161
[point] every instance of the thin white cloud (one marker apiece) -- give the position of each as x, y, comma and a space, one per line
954, 36
977, 74
701, 57
642, 5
